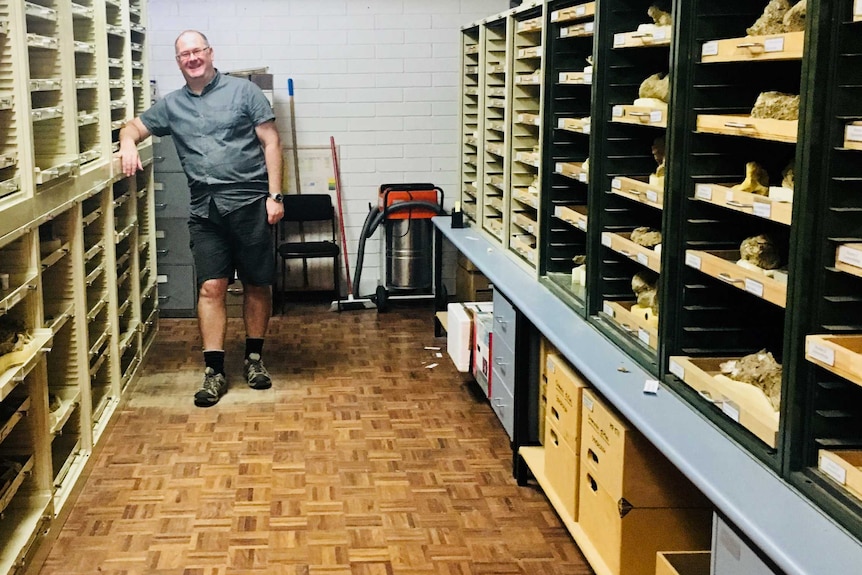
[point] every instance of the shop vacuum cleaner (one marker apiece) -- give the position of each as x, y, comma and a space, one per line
405, 212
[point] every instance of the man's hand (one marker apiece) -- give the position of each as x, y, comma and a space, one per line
274, 211
130, 160
133, 132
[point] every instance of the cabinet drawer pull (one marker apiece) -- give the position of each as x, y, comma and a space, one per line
727, 278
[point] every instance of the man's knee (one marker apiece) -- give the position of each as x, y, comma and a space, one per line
214, 288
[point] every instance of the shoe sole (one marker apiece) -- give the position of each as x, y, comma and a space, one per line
265, 385
206, 402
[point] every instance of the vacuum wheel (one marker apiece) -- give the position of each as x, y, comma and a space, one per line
382, 299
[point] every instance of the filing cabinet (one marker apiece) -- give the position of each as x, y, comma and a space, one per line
503, 362
176, 271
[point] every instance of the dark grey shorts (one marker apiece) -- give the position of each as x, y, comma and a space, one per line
240, 242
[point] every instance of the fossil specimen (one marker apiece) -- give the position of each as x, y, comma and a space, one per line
659, 16
645, 288
787, 175
772, 19
760, 370
656, 87
756, 180
760, 251
776, 105
13, 335
794, 19
646, 237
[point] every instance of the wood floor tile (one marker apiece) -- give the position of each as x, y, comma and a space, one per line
359, 461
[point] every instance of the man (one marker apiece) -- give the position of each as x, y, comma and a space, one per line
225, 134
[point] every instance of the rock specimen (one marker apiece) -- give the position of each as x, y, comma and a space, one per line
646, 237
759, 251
659, 16
656, 87
760, 370
756, 180
776, 106
794, 19
772, 19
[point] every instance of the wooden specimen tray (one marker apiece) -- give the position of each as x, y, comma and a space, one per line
494, 227
840, 354
721, 264
496, 181
574, 215
574, 170
533, 79
745, 202
622, 244
579, 12
15, 365
857, 11
495, 148
660, 36
579, 125
637, 188
641, 115
525, 222
584, 29
741, 402
471, 49
529, 118
843, 466
737, 125
495, 91
530, 25
682, 563
634, 323
530, 52
522, 246
574, 78
494, 202
530, 158
528, 196
771, 47
848, 258
853, 136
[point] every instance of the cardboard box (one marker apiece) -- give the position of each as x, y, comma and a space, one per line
458, 334
627, 465
565, 385
627, 537
471, 286
561, 469
682, 563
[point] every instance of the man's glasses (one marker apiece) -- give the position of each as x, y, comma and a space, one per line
186, 56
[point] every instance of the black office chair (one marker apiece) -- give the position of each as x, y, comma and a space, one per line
302, 209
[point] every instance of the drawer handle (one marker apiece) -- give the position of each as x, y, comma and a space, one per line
593, 485
164, 297
555, 414
162, 252
726, 278
735, 204
592, 455
749, 45
161, 206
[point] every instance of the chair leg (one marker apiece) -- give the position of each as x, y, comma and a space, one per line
283, 284
336, 276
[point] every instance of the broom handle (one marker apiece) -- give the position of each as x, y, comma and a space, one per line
296, 170
340, 213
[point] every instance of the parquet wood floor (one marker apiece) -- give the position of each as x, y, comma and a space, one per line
361, 460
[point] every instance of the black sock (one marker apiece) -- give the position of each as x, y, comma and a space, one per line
215, 360
253, 345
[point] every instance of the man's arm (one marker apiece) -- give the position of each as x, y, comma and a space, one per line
271, 143
130, 135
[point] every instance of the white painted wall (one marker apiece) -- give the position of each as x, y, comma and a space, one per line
381, 76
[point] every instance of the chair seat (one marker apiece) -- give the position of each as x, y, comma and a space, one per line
320, 249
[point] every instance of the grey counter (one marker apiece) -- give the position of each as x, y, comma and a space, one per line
789, 529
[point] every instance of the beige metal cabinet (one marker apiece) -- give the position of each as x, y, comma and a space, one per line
77, 250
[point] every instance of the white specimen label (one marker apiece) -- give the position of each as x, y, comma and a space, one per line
849, 255
652, 196
606, 239
762, 210
608, 309
619, 39
617, 111
617, 184
643, 335
643, 259
833, 470
854, 132
703, 192
754, 287
692, 261
730, 410
651, 386
822, 353
774, 44
709, 48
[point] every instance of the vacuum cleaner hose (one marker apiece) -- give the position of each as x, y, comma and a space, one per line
372, 222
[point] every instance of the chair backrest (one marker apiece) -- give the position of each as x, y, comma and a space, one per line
308, 208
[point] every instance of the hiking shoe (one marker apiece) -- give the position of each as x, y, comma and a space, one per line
255, 372
214, 386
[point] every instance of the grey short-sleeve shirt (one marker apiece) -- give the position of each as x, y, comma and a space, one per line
214, 133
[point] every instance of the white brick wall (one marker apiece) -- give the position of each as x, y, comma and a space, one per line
381, 76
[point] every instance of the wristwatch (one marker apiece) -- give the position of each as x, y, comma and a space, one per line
276, 197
